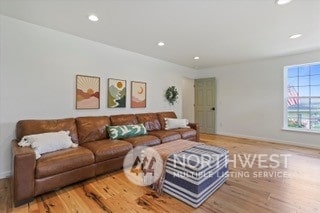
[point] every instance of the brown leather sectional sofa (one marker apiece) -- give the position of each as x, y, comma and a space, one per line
95, 155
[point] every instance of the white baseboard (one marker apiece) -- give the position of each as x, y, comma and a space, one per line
5, 174
269, 140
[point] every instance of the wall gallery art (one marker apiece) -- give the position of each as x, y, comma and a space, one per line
87, 92
138, 94
116, 93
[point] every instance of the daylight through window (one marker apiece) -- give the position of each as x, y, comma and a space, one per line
302, 95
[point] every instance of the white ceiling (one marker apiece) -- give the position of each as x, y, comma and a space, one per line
220, 32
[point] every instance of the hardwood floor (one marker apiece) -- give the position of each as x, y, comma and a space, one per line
248, 189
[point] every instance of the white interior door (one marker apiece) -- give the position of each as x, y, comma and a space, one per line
205, 95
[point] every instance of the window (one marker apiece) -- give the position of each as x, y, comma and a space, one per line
302, 97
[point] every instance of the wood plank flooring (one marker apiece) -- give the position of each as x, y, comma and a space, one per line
247, 189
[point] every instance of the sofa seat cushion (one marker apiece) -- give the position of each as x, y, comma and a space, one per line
62, 161
144, 140
108, 149
186, 132
166, 135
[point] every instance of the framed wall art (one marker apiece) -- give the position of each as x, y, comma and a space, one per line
138, 94
87, 92
117, 90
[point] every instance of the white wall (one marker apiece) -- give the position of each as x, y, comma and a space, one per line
38, 69
188, 99
250, 100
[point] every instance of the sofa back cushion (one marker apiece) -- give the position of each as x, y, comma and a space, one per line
125, 119
92, 128
30, 127
150, 121
163, 115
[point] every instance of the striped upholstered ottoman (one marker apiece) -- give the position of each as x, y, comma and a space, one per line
196, 173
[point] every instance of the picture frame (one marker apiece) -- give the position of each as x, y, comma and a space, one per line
117, 93
87, 92
138, 94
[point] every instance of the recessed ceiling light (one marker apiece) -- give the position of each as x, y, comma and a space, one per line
282, 2
93, 18
295, 36
161, 44
196, 58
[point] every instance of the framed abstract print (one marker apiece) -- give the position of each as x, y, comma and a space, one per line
87, 92
138, 94
117, 90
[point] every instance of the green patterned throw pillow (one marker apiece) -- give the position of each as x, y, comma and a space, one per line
126, 131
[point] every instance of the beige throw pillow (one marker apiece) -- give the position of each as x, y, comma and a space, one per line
175, 123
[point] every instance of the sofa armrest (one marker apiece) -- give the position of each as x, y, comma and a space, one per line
196, 127
23, 173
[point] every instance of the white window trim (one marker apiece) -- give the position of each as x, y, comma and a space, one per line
285, 97
300, 130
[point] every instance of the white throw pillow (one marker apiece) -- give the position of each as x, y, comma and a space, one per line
174, 123
47, 142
